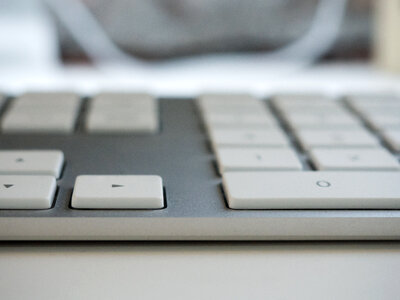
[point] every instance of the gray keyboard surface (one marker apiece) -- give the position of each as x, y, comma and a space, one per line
196, 204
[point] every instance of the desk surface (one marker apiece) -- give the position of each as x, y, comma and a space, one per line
200, 270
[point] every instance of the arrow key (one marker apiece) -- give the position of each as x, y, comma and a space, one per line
26, 192
118, 192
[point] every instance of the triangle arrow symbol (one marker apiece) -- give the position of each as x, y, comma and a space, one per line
116, 185
7, 186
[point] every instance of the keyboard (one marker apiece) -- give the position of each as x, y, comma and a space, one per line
129, 166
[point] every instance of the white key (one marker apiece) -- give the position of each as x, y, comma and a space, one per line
124, 100
367, 100
383, 121
321, 120
31, 162
234, 109
27, 192
48, 98
247, 137
112, 122
312, 190
381, 109
336, 138
227, 99
118, 192
39, 122
302, 98
241, 159
239, 119
354, 159
392, 137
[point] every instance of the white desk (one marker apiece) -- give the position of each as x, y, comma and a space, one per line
200, 271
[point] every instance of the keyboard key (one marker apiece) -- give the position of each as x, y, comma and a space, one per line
31, 162
354, 159
312, 190
42, 113
321, 120
122, 113
227, 99
47, 99
247, 137
122, 101
289, 100
42, 122
27, 192
382, 121
336, 138
245, 120
392, 138
118, 192
122, 122
241, 159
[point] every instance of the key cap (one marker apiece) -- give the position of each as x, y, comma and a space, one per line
392, 137
48, 98
31, 162
336, 138
382, 121
293, 102
245, 120
60, 123
122, 101
312, 190
241, 159
27, 192
121, 122
227, 99
118, 192
248, 137
354, 159
321, 120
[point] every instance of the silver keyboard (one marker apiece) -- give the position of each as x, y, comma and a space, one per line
231, 167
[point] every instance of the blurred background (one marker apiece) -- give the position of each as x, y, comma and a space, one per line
209, 36
161, 29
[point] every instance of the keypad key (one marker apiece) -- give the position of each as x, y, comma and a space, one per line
122, 113
321, 120
234, 120
31, 162
42, 122
240, 159
42, 113
227, 99
118, 192
382, 121
248, 137
312, 190
377, 159
336, 138
27, 192
289, 101
392, 138
138, 102
122, 122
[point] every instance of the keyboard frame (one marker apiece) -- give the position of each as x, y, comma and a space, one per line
195, 204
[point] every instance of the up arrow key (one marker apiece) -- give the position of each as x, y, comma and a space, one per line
7, 186
116, 185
